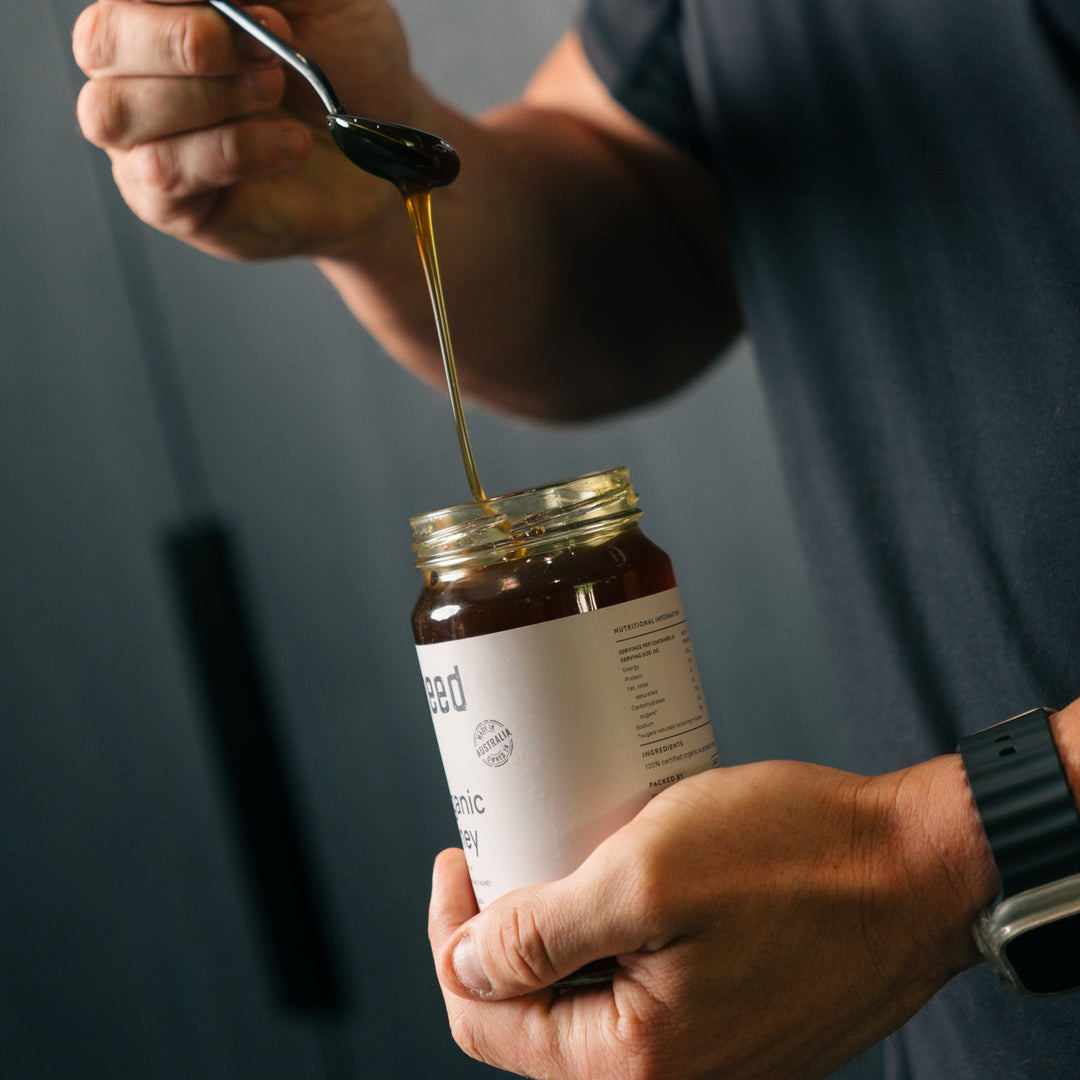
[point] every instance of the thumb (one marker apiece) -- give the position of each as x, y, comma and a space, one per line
537, 936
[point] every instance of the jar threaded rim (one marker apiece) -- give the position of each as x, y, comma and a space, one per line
509, 526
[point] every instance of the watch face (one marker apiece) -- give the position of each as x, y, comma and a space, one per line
1046, 958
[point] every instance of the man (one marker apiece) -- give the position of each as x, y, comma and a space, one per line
885, 195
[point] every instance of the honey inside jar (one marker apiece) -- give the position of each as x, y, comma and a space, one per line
532, 557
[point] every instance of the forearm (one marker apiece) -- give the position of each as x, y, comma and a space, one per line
568, 292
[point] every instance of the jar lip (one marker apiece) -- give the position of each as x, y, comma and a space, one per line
519, 521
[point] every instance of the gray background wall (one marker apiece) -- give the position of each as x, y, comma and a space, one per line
129, 947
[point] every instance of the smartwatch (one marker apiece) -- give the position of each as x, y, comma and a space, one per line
1030, 935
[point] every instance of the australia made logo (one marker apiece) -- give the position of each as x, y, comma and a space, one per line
493, 743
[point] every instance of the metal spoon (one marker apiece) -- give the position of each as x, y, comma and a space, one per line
405, 156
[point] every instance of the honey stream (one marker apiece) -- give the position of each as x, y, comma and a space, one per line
418, 203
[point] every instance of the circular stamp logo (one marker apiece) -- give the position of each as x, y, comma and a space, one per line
493, 743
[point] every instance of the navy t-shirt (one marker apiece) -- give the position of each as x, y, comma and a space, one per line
901, 188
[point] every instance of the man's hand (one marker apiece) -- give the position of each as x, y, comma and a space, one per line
213, 142
769, 920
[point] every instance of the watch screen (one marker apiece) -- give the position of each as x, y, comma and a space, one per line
1047, 959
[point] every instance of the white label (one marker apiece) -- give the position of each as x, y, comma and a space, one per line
553, 736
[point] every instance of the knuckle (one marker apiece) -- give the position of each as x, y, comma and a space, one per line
525, 949
645, 889
227, 151
192, 44
102, 114
155, 168
92, 38
127, 176
158, 203
177, 168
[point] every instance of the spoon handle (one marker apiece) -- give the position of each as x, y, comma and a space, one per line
308, 68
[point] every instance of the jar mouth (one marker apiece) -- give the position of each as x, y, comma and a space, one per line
523, 522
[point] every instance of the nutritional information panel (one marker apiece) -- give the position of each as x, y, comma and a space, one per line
663, 690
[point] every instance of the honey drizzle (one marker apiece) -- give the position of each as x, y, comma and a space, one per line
418, 203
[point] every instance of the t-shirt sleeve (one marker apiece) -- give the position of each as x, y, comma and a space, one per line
635, 46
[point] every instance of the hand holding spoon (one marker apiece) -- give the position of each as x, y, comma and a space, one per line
405, 156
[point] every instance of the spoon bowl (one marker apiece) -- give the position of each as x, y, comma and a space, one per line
404, 156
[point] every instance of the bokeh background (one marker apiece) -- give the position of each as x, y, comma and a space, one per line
145, 388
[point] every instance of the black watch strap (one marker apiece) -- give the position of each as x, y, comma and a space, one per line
1027, 809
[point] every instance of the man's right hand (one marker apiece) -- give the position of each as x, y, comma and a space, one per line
213, 142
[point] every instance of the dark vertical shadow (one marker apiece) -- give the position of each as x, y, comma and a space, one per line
243, 729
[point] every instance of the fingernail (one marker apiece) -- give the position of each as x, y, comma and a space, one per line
468, 970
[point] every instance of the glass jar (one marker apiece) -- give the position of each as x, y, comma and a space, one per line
558, 670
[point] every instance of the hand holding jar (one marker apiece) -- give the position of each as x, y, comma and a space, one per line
769, 920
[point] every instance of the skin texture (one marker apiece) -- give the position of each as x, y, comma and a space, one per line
770, 920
